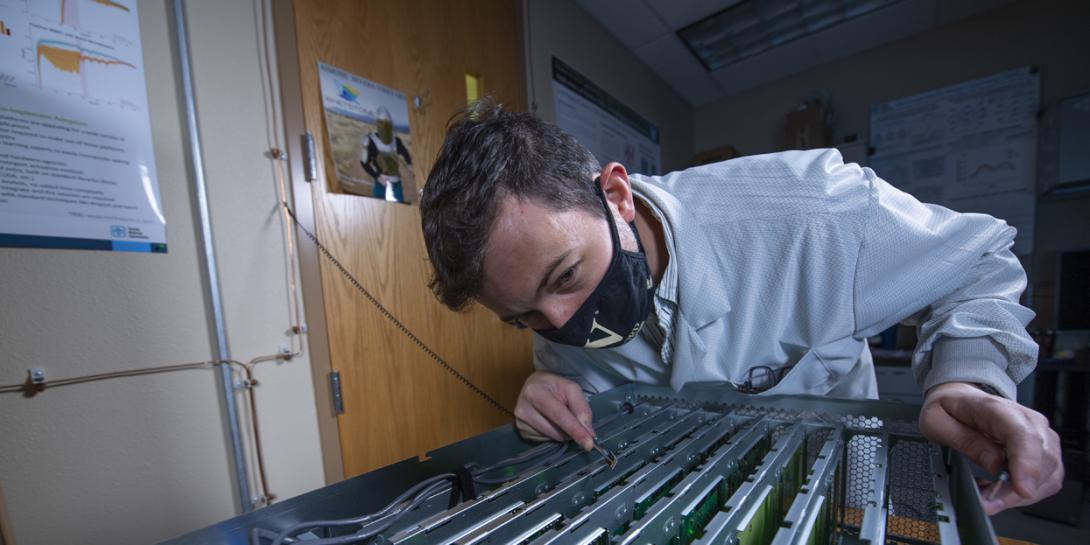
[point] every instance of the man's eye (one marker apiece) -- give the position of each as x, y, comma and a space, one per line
566, 278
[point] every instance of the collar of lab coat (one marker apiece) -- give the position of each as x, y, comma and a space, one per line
702, 293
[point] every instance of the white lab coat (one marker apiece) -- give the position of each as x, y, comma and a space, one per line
794, 259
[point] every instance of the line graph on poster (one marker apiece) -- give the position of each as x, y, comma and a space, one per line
77, 168
73, 48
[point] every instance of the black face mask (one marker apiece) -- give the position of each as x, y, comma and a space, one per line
616, 310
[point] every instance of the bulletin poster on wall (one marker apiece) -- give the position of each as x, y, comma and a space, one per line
608, 128
368, 128
77, 167
969, 147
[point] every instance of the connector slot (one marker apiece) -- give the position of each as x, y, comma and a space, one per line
808, 519
872, 528
615, 510
526, 488
571, 494
756, 509
664, 522
550, 522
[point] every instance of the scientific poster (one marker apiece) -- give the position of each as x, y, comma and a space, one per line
368, 126
77, 168
970, 147
608, 128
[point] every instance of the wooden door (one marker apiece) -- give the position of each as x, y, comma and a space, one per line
398, 402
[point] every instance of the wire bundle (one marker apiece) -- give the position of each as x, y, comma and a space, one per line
372, 524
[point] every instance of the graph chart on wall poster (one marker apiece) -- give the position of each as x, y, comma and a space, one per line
970, 147
77, 168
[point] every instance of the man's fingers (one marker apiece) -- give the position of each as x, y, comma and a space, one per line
558, 413
528, 432
540, 424
988, 429
939, 426
577, 402
1019, 434
1007, 497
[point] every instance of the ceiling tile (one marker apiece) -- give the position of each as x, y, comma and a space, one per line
681, 13
773, 64
631, 21
676, 65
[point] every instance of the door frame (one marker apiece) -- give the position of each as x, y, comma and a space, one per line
291, 102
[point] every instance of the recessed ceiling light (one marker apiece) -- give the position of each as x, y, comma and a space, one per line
755, 26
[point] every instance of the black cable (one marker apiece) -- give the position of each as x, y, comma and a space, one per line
393, 319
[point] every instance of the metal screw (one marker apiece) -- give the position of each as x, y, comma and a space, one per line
578, 499
541, 489
668, 527
622, 511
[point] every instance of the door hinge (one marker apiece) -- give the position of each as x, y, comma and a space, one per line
310, 158
335, 388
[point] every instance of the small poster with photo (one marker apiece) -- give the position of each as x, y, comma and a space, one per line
368, 128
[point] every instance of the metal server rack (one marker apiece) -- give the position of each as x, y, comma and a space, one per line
703, 466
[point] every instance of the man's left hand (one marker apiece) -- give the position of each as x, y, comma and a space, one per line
990, 429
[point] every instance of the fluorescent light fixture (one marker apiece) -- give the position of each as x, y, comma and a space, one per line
752, 27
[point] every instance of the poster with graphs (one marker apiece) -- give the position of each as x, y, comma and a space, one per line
971, 147
77, 168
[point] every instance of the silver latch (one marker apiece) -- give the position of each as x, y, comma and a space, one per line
335, 387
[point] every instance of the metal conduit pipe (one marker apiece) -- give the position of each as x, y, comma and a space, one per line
211, 271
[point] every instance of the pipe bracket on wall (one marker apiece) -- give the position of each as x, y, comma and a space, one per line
310, 158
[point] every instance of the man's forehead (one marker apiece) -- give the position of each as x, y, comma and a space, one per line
525, 241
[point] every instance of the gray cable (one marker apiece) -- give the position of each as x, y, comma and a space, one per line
383, 523
414, 492
551, 459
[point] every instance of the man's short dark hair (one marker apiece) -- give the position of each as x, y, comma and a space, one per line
490, 153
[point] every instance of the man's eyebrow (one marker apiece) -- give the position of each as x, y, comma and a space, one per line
552, 267
544, 280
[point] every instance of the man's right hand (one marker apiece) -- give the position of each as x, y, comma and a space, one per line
553, 407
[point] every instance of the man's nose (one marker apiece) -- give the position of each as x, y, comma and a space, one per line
557, 313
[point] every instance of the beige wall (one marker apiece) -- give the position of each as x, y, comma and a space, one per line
563, 29
139, 460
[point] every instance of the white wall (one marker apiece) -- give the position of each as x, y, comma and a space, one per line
140, 460
563, 29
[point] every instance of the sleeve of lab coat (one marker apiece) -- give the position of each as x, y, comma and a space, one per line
954, 277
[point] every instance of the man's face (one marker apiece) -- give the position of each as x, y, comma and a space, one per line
541, 264
385, 129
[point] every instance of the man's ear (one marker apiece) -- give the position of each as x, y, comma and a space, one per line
618, 190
